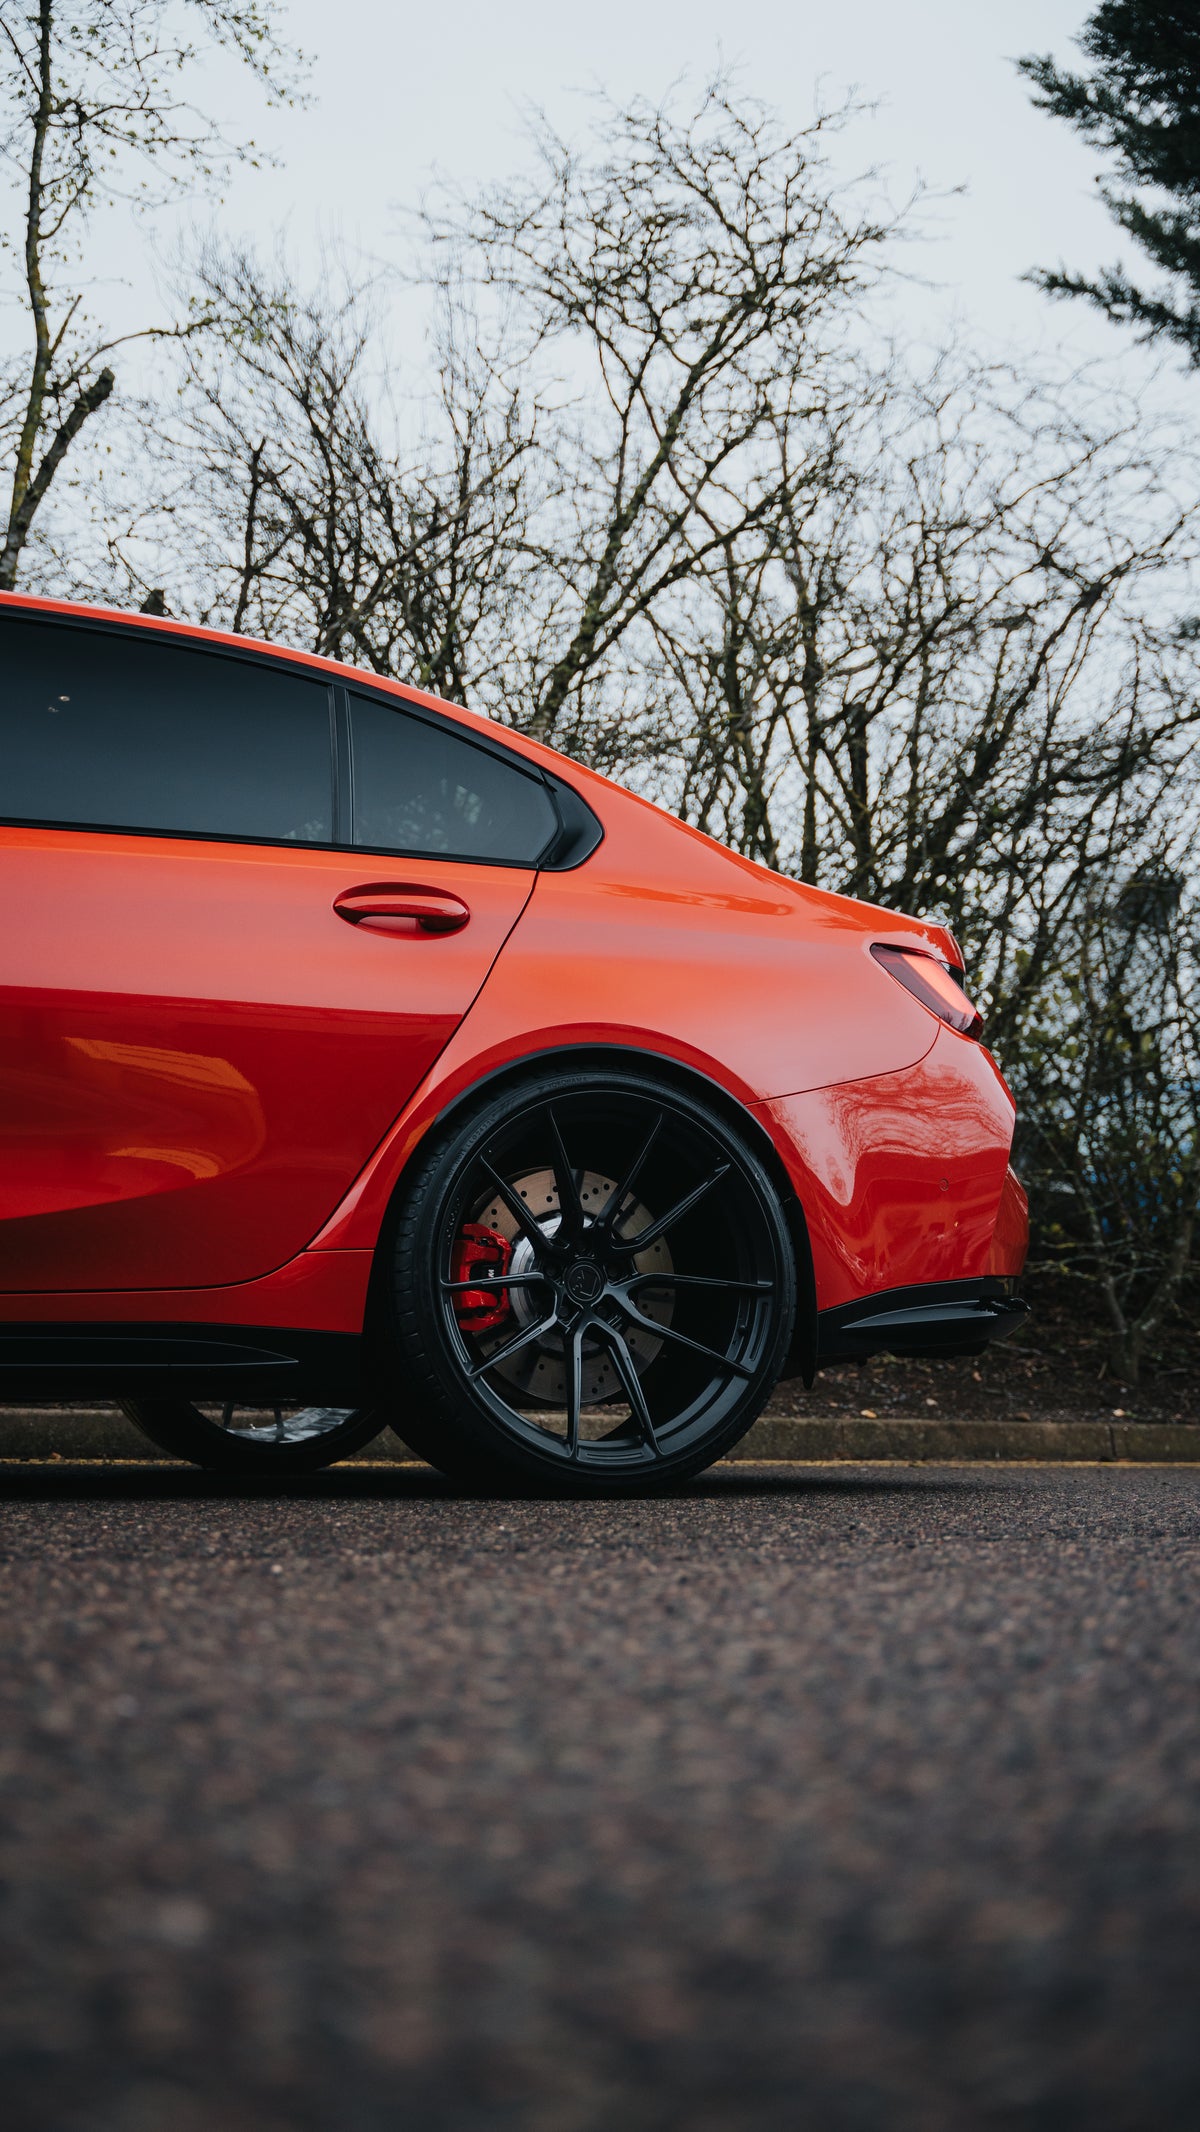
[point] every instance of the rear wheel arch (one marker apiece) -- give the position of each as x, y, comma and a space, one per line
672, 1073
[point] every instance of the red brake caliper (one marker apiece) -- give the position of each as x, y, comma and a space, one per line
477, 1251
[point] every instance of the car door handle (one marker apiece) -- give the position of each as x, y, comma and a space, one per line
394, 906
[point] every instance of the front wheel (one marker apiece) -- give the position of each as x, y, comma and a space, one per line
275, 1440
593, 1288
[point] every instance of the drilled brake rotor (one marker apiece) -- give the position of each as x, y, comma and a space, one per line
538, 1372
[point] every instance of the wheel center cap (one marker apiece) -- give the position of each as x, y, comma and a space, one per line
584, 1282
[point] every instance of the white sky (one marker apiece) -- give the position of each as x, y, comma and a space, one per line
402, 92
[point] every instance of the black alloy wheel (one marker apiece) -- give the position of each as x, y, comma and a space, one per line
593, 1288
271, 1440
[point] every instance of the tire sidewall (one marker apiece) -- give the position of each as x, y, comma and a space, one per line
449, 1422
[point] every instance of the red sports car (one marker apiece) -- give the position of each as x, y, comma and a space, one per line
362, 1059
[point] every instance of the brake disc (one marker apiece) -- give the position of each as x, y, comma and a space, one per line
538, 1372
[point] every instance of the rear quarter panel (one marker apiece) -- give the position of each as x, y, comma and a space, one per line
667, 944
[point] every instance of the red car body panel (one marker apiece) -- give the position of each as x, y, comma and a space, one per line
210, 1085
200, 1055
1010, 1237
902, 1177
321, 1291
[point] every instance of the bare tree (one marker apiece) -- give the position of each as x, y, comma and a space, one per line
683, 274
927, 676
911, 639
298, 498
614, 350
1112, 1130
95, 109
946, 678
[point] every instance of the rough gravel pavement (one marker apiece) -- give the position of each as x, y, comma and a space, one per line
823, 1798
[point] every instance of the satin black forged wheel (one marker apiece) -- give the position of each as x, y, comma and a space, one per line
593, 1289
270, 1440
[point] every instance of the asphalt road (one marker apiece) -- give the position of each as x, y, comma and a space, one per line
810, 1799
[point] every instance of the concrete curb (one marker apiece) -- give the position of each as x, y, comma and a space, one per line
79, 1433
1144, 1442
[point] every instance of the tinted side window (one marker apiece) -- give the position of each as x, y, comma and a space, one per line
144, 733
419, 787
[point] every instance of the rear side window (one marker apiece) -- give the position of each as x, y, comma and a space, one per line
420, 787
116, 732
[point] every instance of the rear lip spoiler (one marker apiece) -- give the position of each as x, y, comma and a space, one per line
941, 1318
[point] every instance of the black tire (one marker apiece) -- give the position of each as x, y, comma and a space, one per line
592, 1288
242, 1439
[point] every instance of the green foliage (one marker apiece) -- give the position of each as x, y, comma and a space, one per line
1140, 103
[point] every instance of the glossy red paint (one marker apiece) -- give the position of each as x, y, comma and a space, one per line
1010, 1237
199, 1056
760, 994
211, 1083
902, 1178
318, 1291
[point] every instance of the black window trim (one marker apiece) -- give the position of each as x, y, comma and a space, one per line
578, 834
484, 746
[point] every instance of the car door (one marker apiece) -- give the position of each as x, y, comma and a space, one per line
221, 974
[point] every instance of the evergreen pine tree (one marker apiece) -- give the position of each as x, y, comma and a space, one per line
1140, 101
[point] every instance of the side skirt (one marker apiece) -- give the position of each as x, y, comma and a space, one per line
257, 1364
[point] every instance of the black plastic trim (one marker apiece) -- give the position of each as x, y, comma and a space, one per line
343, 769
580, 831
260, 1363
934, 1318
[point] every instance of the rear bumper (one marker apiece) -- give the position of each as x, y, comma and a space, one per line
936, 1318
904, 1181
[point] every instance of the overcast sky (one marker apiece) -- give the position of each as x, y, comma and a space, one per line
400, 92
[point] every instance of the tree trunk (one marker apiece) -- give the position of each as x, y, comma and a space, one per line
1125, 1354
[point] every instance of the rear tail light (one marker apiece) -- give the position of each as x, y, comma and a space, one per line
933, 984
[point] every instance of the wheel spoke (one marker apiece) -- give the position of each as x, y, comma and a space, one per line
631, 1382
530, 1229
570, 1205
580, 1373
574, 1388
650, 1235
668, 1332
494, 1280
514, 1346
607, 1217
